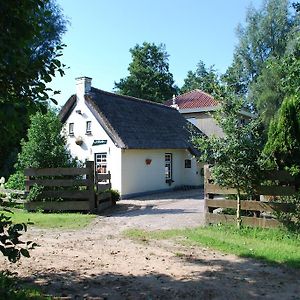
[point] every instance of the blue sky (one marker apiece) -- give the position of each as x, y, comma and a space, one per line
101, 32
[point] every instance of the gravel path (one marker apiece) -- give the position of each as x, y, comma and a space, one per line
98, 262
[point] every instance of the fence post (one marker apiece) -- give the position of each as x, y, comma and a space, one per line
90, 176
206, 177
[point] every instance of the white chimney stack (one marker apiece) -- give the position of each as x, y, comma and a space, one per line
83, 86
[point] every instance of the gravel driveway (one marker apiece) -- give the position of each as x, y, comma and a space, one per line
99, 262
176, 209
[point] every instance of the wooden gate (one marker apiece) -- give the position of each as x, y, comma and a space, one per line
281, 183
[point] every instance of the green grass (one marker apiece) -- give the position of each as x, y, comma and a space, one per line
271, 245
51, 220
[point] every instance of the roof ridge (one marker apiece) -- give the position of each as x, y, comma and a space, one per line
133, 98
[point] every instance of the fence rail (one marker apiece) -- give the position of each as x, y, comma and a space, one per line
279, 183
89, 192
82, 198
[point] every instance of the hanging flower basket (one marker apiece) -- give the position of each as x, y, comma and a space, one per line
79, 141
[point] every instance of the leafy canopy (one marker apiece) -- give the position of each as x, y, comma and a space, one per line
264, 35
149, 76
205, 79
46, 146
283, 146
30, 47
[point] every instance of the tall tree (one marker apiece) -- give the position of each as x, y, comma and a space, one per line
203, 78
149, 76
235, 156
265, 34
30, 46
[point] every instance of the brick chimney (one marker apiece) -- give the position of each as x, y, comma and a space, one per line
83, 86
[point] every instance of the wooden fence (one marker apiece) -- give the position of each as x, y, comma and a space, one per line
74, 185
263, 207
103, 197
10, 196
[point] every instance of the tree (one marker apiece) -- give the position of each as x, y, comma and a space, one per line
282, 149
30, 45
235, 157
149, 76
203, 78
265, 35
267, 91
45, 148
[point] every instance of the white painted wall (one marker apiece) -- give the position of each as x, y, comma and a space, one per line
87, 151
138, 177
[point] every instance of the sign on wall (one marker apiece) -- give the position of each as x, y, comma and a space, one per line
99, 142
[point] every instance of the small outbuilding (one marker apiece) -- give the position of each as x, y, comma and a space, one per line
144, 145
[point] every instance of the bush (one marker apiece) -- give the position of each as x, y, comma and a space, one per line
115, 195
16, 181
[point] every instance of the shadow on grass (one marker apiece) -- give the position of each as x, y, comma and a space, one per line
218, 279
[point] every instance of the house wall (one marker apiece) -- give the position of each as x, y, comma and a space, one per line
87, 151
138, 177
205, 122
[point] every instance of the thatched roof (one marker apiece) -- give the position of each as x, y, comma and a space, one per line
134, 123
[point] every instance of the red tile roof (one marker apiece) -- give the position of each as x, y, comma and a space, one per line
193, 99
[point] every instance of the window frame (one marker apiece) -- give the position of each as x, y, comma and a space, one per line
168, 167
187, 163
101, 164
88, 127
71, 129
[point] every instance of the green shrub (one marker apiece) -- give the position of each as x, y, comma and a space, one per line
115, 195
16, 181
35, 192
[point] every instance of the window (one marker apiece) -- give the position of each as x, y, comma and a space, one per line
187, 163
71, 129
168, 166
101, 162
88, 127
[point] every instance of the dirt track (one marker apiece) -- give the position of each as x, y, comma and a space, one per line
99, 263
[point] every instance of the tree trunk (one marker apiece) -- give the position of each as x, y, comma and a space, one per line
238, 210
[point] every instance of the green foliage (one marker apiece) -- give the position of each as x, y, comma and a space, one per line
265, 35
46, 146
291, 220
203, 78
10, 289
234, 156
30, 42
282, 149
30, 47
35, 192
16, 181
115, 195
267, 91
149, 76
10, 244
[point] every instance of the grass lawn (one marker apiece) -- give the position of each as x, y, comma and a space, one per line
51, 220
271, 245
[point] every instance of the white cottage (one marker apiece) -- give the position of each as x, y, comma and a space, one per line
145, 146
